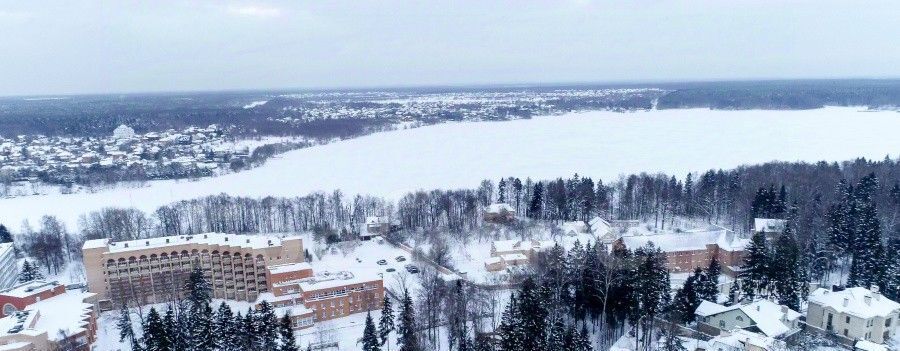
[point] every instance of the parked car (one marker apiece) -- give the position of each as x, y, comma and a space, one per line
382, 262
412, 269
401, 258
390, 270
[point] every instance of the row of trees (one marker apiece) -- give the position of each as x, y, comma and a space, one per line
191, 324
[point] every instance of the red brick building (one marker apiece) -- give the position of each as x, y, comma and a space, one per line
688, 250
323, 296
42, 315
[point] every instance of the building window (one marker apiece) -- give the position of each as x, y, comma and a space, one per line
847, 319
887, 322
9, 309
722, 324
845, 332
739, 318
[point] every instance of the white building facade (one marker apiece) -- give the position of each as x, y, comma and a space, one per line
9, 270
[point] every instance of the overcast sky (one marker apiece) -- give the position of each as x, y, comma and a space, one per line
76, 46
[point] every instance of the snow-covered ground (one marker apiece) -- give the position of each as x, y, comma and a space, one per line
454, 155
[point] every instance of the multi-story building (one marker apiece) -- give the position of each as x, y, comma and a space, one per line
688, 250
855, 314
155, 270
239, 267
321, 296
41, 316
9, 269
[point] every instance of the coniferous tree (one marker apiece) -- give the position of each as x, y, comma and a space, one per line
868, 252
708, 281
407, 338
536, 205
249, 331
200, 316
755, 271
265, 324
156, 337
30, 271
687, 299
286, 338
892, 270
176, 330
201, 333
126, 329
556, 336
734, 293
225, 331
5, 235
510, 332
386, 322
786, 276
370, 335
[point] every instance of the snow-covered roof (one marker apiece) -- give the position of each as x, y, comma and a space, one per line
707, 309
499, 208
28, 289
689, 240
295, 310
328, 280
236, 240
573, 226
599, 226
740, 338
66, 312
376, 220
866, 345
766, 315
860, 302
514, 257
768, 225
289, 267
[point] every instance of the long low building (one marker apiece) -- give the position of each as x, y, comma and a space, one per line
688, 250
154, 270
323, 296
40, 316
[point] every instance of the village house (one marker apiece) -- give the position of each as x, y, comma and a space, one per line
854, 313
499, 213
512, 253
374, 226
760, 316
743, 340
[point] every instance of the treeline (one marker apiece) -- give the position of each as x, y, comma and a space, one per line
191, 324
783, 95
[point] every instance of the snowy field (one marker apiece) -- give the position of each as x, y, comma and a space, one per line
454, 155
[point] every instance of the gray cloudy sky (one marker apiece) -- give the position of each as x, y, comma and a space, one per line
49, 47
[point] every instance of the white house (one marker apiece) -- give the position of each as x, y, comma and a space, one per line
763, 316
855, 313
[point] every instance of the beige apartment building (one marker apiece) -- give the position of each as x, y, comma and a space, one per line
854, 313
154, 270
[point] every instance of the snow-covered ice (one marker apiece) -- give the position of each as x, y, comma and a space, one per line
456, 155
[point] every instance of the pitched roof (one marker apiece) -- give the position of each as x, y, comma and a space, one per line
766, 315
860, 302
